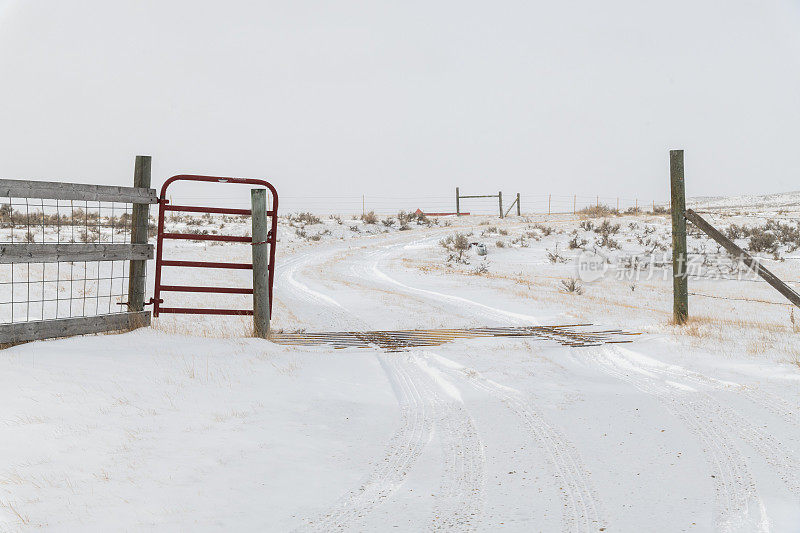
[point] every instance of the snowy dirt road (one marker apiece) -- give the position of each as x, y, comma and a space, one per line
701, 461
171, 431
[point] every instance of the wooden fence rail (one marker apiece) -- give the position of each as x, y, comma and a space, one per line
58, 252
77, 191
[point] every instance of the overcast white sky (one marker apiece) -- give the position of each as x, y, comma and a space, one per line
406, 98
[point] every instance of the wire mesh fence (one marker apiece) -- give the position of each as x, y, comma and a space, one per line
65, 289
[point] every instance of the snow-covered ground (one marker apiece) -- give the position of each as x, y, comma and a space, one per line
192, 425
780, 202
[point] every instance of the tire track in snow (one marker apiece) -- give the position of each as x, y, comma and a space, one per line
738, 505
427, 403
287, 276
766, 400
417, 418
372, 270
459, 503
430, 406
783, 461
582, 508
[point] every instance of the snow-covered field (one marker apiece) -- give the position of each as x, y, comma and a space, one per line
192, 425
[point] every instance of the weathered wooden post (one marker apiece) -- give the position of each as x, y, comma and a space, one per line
258, 202
458, 205
140, 219
519, 212
549, 201
574, 204
500, 200
680, 285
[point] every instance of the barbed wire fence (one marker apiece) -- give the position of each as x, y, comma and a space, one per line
531, 204
383, 204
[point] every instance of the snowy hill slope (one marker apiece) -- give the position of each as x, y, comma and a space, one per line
789, 201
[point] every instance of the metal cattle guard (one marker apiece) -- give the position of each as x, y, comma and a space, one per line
164, 206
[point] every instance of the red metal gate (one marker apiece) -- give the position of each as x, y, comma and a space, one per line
164, 206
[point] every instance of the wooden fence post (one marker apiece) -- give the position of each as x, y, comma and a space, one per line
500, 200
458, 205
519, 212
680, 285
140, 220
574, 204
258, 201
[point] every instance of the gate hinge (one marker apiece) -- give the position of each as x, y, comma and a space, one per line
151, 301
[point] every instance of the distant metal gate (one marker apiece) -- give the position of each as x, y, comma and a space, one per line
165, 206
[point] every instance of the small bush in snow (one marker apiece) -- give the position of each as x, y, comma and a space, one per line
577, 243
306, 218
572, 286
480, 269
556, 257
607, 228
457, 244
597, 211
607, 242
546, 230
370, 218
763, 241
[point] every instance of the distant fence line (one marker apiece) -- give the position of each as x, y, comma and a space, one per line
531, 204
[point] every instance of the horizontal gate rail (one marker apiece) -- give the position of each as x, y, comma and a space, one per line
66, 327
220, 290
203, 237
77, 191
54, 253
206, 264
216, 210
198, 311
